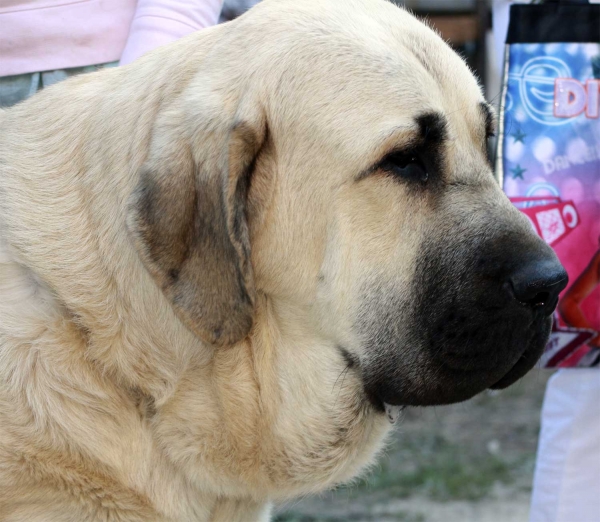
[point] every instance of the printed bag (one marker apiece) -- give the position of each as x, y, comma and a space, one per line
548, 157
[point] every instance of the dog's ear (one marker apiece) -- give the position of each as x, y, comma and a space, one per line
187, 218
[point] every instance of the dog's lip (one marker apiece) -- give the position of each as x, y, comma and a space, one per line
527, 360
525, 363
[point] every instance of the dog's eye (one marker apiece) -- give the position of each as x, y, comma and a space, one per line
407, 166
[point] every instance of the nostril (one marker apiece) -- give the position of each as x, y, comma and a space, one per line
539, 299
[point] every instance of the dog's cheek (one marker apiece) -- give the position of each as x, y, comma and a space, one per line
393, 357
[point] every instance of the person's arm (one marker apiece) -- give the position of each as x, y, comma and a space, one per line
580, 289
158, 22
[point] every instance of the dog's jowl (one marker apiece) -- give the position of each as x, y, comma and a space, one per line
194, 248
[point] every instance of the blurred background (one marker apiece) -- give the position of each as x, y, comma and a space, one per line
470, 462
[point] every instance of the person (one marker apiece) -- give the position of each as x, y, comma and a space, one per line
567, 474
45, 41
566, 482
582, 287
234, 8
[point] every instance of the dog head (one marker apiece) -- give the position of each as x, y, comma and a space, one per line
331, 156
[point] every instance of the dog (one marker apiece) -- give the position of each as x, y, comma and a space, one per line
226, 267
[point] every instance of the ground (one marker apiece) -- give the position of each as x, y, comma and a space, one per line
469, 462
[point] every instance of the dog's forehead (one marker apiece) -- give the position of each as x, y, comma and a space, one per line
350, 34
359, 69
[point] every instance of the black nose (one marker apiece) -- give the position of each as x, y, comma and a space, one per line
538, 282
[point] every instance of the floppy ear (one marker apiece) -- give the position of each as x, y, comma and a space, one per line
187, 218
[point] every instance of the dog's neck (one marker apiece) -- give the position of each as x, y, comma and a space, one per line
276, 414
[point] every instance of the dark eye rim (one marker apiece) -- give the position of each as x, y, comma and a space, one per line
407, 165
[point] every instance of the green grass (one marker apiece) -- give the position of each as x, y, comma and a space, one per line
292, 517
428, 466
438, 469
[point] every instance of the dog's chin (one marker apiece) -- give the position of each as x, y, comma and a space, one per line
438, 383
528, 359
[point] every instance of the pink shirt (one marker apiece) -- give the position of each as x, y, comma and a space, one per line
44, 35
